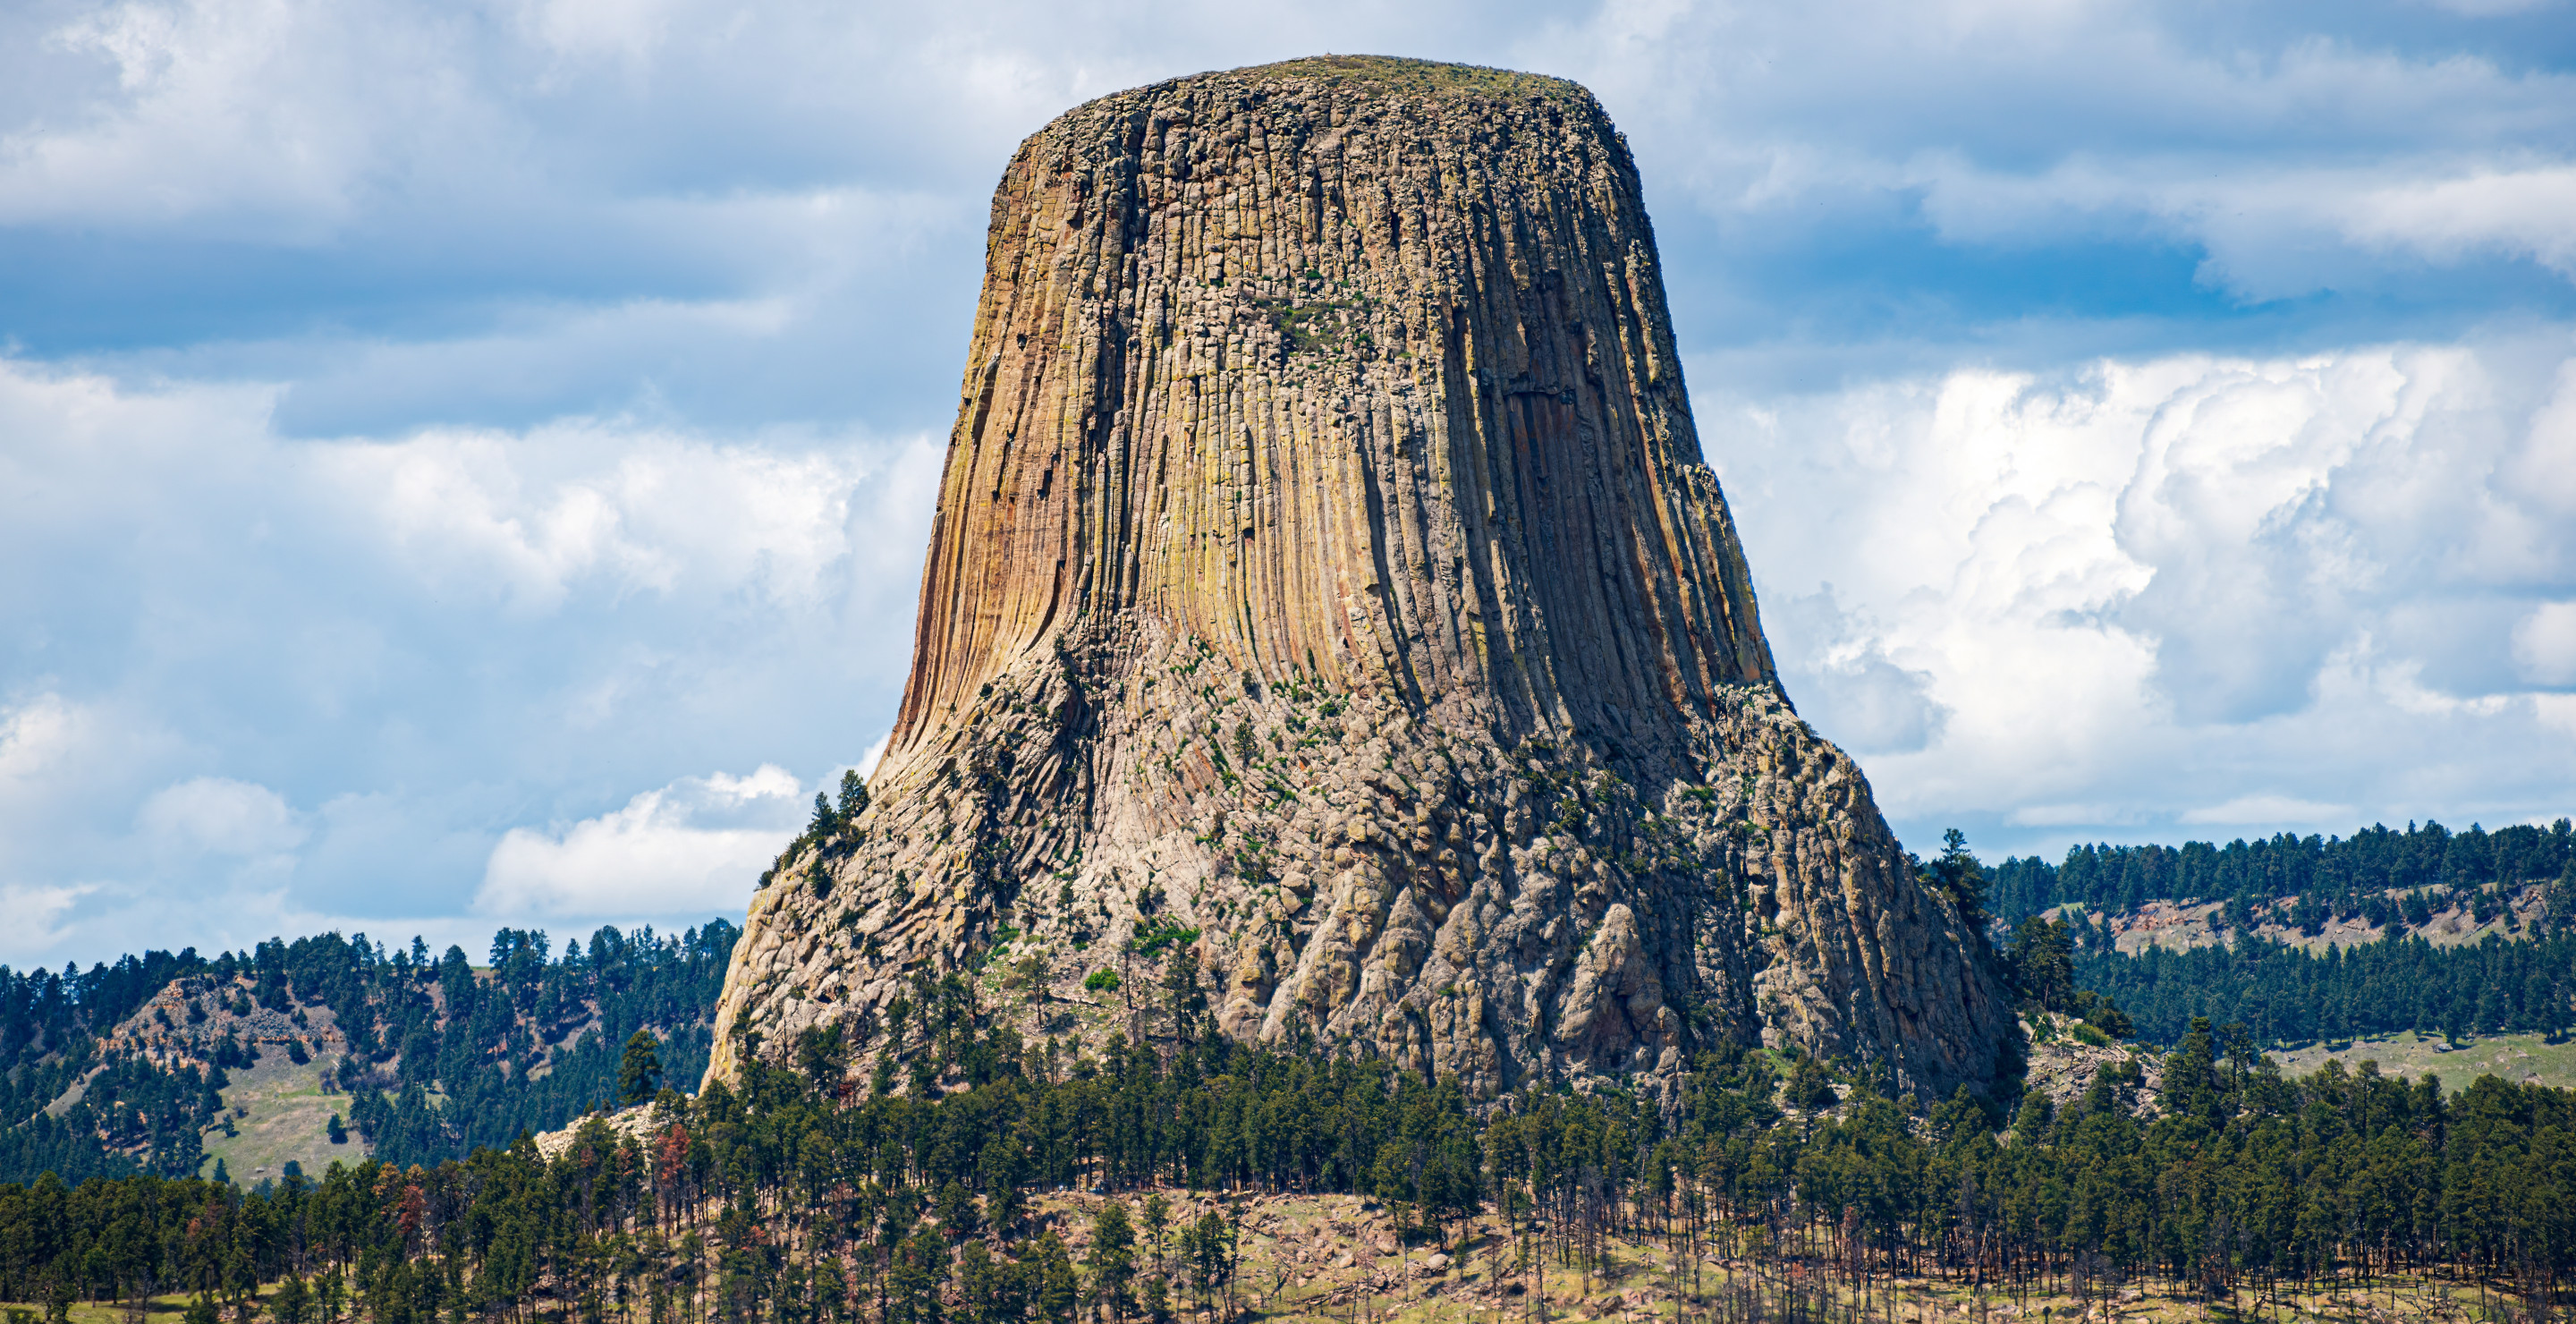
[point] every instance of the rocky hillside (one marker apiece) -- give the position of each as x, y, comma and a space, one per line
1327, 594
2442, 917
168, 1063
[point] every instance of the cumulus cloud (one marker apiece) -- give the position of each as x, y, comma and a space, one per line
2544, 644
2186, 592
1840, 663
165, 135
573, 207
35, 915
220, 816
692, 847
35, 736
72, 774
531, 517
321, 680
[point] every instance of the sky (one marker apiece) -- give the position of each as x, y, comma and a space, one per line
466, 463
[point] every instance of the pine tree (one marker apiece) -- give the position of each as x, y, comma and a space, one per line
1182, 990
639, 1069
920, 1270
1058, 1291
1113, 1258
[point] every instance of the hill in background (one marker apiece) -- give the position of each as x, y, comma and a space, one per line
168, 1064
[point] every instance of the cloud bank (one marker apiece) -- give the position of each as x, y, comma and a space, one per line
683, 849
2143, 597
272, 683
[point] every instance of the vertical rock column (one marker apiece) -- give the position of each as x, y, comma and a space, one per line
1325, 570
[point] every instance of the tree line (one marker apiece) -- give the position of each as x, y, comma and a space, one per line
898, 1191
487, 1041
484, 1043
2343, 877
2288, 996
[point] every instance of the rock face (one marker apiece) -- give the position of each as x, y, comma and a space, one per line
1324, 563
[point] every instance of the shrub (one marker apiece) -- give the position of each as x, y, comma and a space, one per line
1811, 1087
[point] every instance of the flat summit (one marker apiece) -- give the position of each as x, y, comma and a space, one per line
1326, 583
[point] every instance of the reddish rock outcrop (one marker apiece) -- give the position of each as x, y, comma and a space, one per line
1325, 563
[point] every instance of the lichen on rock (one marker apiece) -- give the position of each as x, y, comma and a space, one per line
1325, 564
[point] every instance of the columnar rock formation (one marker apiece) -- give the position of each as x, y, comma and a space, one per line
1325, 565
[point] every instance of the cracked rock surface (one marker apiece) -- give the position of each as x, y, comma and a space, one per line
1325, 564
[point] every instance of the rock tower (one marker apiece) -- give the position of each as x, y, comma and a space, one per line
1326, 582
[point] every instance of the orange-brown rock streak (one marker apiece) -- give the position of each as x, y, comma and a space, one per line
1324, 563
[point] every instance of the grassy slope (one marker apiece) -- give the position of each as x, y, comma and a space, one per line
278, 1110
2514, 1057
1319, 1257
288, 1118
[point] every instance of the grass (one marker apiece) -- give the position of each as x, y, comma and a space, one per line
167, 1306
1324, 1257
289, 1118
2514, 1057
1294, 1251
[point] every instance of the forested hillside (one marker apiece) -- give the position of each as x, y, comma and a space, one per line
131, 1115
2424, 930
798, 1200
931, 1181
121, 1069
2320, 877
2286, 996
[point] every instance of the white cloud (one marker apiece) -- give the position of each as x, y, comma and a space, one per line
35, 736
691, 847
268, 681
1841, 665
2270, 233
2544, 644
35, 915
295, 121
627, 32
2301, 152
2263, 810
220, 816
214, 115
2068, 815
2522, 213
71, 776
2192, 590
640, 510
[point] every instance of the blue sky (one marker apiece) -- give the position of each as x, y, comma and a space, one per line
468, 463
